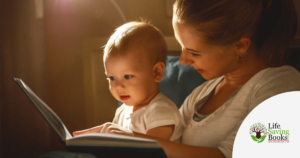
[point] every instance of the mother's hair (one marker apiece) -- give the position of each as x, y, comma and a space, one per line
269, 24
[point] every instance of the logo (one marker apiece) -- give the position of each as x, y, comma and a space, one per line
277, 135
258, 132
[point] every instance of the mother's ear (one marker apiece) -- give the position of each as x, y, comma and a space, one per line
158, 71
242, 46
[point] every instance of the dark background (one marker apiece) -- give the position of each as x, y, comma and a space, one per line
46, 52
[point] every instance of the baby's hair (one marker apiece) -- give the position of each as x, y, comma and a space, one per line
137, 36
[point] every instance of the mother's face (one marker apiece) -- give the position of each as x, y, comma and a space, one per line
210, 61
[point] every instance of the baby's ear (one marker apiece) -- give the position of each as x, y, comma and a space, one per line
158, 70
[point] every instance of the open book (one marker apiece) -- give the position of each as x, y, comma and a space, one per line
104, 145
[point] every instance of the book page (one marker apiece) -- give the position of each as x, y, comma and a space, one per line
113, 140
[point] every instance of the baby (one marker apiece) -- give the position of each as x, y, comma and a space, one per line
134, 61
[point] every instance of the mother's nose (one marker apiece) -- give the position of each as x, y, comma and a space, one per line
184, 58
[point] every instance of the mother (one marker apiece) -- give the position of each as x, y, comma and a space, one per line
240, 47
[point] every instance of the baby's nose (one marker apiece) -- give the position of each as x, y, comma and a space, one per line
120, 84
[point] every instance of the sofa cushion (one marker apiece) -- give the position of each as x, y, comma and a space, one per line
179, 80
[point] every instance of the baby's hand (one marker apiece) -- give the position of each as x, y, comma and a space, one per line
116, 129
98, 129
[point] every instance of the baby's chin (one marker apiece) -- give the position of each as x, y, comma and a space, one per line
133, 104
130, 104
126, 102
130, 101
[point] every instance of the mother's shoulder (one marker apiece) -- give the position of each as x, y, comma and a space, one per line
273, 80
284, 73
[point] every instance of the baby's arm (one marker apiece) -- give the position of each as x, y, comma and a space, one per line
161, 120
163, 132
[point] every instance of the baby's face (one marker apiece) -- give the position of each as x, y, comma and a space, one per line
131, 79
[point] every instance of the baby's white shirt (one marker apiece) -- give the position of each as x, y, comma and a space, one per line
161, 111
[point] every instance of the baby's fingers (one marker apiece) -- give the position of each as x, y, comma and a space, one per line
117, 132
120, 132
86, 131
105, 128
96, 129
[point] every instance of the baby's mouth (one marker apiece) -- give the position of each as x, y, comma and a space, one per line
124, 97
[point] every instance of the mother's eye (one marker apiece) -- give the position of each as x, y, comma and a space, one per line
128, 76
194, 54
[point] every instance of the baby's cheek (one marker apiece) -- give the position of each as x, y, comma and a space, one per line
114, 94
111, 89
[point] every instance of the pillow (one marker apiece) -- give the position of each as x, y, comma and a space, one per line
179, 80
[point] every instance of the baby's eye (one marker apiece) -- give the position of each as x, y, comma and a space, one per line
128, 76
111, 78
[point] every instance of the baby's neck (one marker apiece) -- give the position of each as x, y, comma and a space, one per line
147, 101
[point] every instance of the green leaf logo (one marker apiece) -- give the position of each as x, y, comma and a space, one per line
259, 130
262, 139
254, 138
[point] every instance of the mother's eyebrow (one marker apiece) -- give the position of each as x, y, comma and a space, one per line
192, 50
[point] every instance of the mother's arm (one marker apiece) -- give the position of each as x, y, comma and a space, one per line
174, 150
